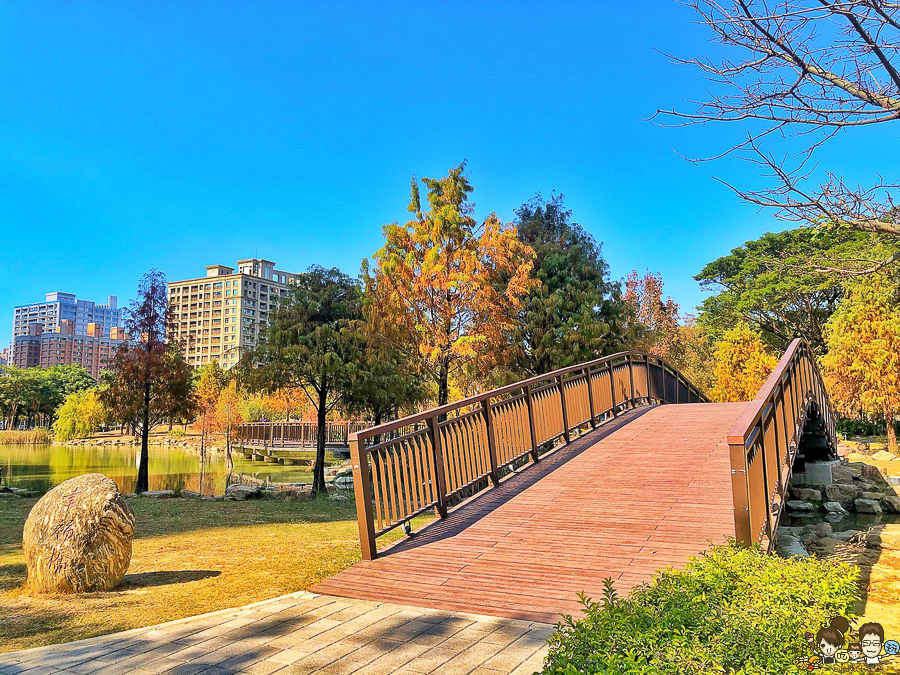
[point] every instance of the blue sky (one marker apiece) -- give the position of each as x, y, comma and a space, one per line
181, 134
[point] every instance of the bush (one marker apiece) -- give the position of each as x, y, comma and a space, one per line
177, 433
79, 416
850, 427
732, 610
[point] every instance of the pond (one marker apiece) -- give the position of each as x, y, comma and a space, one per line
41, 467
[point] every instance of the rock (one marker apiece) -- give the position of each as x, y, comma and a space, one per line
867, 506
871, 495
835, 507
826, 545
338, 497
788, 544
893, 480
344, 481
845, 535
297, 491
78, 536
806, 494
870, 472
842, 474
822, 530
799, 505
841, 493
891, 504
190, 493
884, 455
158, 494
239, 493
818, 473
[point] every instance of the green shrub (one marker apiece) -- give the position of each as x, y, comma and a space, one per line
177, 433
732, 610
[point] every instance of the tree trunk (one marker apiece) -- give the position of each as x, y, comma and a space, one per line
143, 477
202, 457
443, 381
229, 461
891, 433
319, 468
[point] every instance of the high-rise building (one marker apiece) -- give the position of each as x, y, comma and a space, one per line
92, 350
60, 307
221, 316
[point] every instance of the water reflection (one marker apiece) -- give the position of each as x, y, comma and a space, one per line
40, 467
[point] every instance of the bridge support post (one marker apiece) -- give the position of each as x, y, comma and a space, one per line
530, 405
362, 486
491, 440
740, 490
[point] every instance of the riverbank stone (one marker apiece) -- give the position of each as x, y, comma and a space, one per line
867, 506
800, 505
159, 494
78, 537
835, 507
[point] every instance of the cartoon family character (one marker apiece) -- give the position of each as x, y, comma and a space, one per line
827, 645
831, 638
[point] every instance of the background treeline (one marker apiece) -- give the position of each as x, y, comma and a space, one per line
450, 306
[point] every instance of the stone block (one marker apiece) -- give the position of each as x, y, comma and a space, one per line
800, 505
159, 494
806, 494
818, 473
841, 493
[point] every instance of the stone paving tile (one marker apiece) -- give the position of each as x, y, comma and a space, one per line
303, 634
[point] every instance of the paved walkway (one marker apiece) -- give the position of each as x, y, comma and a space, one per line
644, 491
304, 633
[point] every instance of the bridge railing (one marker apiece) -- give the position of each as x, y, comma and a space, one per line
764, 442
284, 434
432, 459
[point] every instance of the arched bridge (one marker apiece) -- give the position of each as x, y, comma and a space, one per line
545, 487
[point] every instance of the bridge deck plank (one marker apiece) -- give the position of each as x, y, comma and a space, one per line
645, 491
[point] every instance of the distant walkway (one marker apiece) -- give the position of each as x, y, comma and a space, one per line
303, 633
644, 491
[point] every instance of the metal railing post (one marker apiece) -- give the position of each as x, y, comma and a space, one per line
631, 379
529, 404
565, 414
612, 391
491, 439
437, 463
740, 490
362, 487
590, 397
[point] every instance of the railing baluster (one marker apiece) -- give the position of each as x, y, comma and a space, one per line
590, 389
562, 400
612, 391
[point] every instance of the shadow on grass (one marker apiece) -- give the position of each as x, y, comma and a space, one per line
149, 579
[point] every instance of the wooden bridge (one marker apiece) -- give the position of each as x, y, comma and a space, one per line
548, 486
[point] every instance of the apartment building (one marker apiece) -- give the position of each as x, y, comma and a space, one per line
92, 350
59, 307
220, 317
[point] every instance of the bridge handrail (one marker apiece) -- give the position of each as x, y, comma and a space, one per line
464, 446
765, 439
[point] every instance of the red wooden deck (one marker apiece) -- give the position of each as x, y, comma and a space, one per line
643, 492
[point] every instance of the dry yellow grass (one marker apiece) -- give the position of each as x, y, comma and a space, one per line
190, 557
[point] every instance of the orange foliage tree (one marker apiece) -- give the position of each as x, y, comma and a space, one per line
229, 414
288, 402
444, 290
862, 366
742, 365
655, 321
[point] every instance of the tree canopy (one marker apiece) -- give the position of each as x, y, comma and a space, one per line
573, 313
862, 366
445, 290
770, 284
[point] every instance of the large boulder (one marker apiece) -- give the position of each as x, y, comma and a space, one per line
239, 493
867, 506
77, 538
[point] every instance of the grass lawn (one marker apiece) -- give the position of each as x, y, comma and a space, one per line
190, 557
